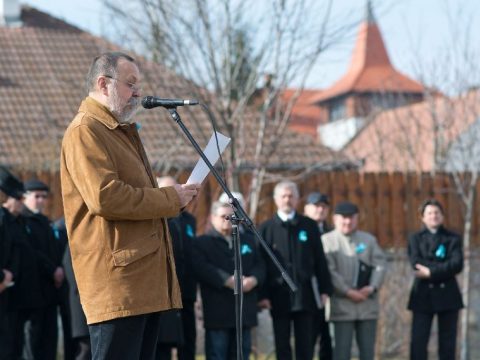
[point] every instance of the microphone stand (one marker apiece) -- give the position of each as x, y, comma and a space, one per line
239, 216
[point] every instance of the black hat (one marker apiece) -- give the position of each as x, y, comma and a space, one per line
35, 184
10, 185
316, 198
346, 208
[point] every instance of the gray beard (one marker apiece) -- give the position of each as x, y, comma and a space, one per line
125, 115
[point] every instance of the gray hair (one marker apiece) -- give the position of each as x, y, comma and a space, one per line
218, 205
105, 64
286, 184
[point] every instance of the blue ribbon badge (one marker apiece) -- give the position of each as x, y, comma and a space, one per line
441, 251
246, 249
189, 231
302, 236
360, 248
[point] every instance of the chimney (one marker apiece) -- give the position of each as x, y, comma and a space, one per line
10, 11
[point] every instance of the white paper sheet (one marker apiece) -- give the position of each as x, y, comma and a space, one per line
201, 170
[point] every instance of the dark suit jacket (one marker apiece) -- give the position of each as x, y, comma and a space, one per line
214, 264
183, 231
297, 245
442, 253
27, 292
46, 248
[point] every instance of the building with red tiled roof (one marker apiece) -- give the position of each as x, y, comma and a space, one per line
439, 134
43, 64
370, 84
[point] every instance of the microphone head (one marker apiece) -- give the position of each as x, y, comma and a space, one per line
147, 102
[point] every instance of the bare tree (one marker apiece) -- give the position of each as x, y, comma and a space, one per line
240, 56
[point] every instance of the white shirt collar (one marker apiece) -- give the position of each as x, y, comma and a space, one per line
284, 216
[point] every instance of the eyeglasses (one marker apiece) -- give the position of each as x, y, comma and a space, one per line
131, 86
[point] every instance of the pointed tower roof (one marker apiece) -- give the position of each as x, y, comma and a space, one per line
370, 67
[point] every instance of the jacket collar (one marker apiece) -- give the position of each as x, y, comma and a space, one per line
440, 230
214, 233
8, 215
100, 112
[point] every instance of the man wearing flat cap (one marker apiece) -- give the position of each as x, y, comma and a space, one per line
43, 327
317, 208
357, 266
294, 240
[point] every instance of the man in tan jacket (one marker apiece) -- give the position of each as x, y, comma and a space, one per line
357, 268
116, 216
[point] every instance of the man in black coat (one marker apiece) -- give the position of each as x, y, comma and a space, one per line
11, 192
26, 295
214, 268
178, 328
74, 323
317, 208
43, 327
294, 240
436, 256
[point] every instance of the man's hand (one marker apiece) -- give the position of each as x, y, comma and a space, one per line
186, 192
367, 291
8, 276
422, 272
58, 277
248, 283
356, 296
324, 298
264, 304
7, 280
230, 282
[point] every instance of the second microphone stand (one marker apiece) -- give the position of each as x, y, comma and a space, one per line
239, 216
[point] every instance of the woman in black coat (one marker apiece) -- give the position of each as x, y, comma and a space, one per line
436, 256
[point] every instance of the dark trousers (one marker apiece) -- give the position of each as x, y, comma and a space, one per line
82, 348
365, 334
43, 333
65, 314
321, 329
129, 338
447, 334
7, 336
302, 327
36, 333
221, 344
187, 351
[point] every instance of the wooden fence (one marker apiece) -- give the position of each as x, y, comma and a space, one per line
388, 201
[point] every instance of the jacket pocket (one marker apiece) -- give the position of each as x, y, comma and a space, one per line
124, 257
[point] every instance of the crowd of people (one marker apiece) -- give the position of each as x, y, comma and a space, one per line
338, 270
125, 278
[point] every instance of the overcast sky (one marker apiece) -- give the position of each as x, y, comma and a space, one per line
411, 29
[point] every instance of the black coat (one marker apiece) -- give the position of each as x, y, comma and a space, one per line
9, 257
213, 265
27, 292
442, 253
183, 231
47, 252
296, 244
69, 290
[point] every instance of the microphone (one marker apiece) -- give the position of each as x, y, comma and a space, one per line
150, 102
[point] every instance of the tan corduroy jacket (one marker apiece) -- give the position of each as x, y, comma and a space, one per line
115, 216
